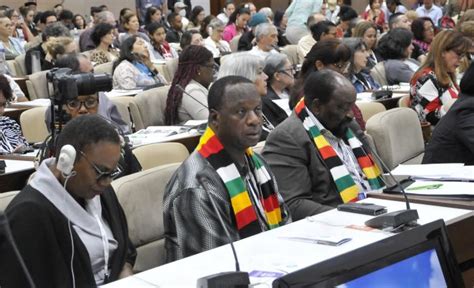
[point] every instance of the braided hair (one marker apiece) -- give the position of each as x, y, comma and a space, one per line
188, 66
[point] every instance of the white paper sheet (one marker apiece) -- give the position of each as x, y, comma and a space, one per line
437, 188
450, 171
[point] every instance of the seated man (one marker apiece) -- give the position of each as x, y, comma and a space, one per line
317, 159
266, 36
238, 180
69, 227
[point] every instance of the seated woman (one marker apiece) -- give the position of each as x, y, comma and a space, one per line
214, 42
357, 73
434, 84
153, 15
103, 37
57, 47
134, 68
367, 31
375, 14
452, 140
197, 16
191, 37
195, 73
237, 24
79, 22
423, 30
11, 138
280, 79
251, 67
70, 227
159, 49
17, 93
396, 48
131, 25
12, 46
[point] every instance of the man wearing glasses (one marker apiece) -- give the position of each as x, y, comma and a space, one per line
68, 225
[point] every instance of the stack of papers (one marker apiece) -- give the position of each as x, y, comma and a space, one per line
43, 102
440, 172
119, 93
156, 134
437, 188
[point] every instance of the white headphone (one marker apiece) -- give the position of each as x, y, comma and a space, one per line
65, 161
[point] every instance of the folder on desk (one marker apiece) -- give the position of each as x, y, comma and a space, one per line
445, 189
437, 172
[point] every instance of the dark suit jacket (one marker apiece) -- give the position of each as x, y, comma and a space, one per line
453, 137
271, 110
303, 178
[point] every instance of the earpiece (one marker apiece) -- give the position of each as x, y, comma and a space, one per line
65, 161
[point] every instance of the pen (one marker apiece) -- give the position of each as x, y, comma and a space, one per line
425, 187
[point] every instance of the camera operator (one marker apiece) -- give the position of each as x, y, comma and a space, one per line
77, 95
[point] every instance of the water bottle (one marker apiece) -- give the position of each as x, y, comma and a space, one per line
3, 62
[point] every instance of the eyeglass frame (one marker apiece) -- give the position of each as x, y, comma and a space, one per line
291, 69
83, 103
101, 175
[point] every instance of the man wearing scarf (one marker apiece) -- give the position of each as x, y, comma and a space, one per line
316, 157
238, 180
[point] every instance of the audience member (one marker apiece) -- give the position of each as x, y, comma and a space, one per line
229, 8
103, 38
17, 93
11, 138
153, 15
205, 26
85, 41
428, 9
317, 159
143, 7
190, 219
197, 16
375, 14
79, 22
266, 36
134, 69
12, 46
423, 34
347, 20
247, 40
20, 29
434, 84
467, 29
357, 72
57, 47
280, 21
396, 48
195, 73
332, 11
67, 17
214, 42
131, 26
71, 216
58, 8
399, 20
452, 140
122, 13
281, 78
237, 24
394, 7
191, 37
367, 31
159, 48
28, 17
180, 8
307, 41
176, 28
297, 13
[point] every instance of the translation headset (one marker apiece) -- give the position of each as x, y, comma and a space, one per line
65, 161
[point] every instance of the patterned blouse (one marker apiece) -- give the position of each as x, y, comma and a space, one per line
10, 135
100, 56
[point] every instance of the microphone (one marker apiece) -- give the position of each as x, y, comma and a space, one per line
8, 233
223, 279
394, 219
192, 97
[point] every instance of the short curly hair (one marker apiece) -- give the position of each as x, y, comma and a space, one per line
100, 30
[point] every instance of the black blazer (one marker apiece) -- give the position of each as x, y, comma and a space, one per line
452, 140
272, 111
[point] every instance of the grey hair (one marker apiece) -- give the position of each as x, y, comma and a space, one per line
216, 23
241, 64
267, 11
264, 29
56, 29
104, 16
273, 63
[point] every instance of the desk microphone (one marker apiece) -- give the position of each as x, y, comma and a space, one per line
393, 219
192, 97
223, 279
8, 233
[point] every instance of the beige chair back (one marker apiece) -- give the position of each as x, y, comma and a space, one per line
123, 107
234, 43
147, 108
6, 198
292, 52
37, 85
141, 196
104, 68
369, 109
21, 66
404, 101
11, 66
397, 136
157, 154
378, 73
33, 124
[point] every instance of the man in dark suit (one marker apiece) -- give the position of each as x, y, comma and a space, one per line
316, 157
453, 137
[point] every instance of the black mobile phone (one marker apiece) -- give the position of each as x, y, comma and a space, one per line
362, 208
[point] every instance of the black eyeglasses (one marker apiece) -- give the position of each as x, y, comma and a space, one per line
76, 104
101, 175
291, 70
212, 66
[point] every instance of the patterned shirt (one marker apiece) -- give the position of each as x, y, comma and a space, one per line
10, 135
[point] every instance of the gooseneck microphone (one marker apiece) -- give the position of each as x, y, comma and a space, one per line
192, 97
8, 233
223, 279
394, 219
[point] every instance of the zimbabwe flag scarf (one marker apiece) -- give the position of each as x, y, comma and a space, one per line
245, 214
346, 186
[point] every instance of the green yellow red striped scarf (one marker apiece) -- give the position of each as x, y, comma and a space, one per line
211, 148
346, 186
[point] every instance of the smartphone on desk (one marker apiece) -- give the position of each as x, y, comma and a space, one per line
362, 208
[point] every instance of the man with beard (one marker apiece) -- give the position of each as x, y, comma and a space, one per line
317, 159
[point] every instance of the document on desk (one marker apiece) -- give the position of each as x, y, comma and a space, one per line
441, 172
119, 93
438, 188
43, 102
156, 134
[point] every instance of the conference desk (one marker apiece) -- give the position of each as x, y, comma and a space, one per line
16, 174
272, 251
